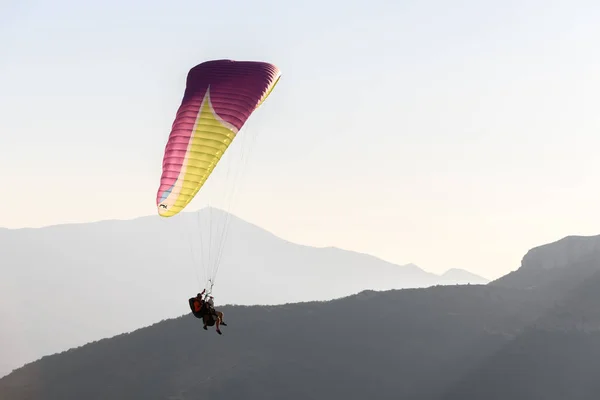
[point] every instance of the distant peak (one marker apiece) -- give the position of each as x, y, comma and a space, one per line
412, 266
459, 274
456, 271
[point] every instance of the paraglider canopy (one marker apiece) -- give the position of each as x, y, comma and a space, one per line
219, 98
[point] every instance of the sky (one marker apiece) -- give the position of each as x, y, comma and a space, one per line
446, 134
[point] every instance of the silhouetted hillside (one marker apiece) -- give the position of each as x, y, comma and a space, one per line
549, 365
90, 274
558, 357
411, 343
473, 342
466, 342
555, 269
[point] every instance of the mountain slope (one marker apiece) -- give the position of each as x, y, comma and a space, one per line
552, 261
440, 343
555, 269
398, 344
461, 277
100, 279
556, 358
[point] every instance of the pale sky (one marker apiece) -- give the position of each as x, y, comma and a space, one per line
448, 134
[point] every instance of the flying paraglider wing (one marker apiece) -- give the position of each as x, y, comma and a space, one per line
219, 98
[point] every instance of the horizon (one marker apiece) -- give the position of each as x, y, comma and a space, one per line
188, 212
324, 246
403, 264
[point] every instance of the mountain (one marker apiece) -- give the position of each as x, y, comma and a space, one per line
554, 269
67, 285
544, 263
467, 342
395, 344
557, 357
461, 277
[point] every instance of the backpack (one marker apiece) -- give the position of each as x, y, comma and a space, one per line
199, 313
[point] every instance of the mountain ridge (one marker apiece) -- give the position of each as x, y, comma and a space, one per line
432, 343
566, 261
273, 235
149, 257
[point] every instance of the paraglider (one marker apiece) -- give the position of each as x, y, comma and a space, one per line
204, 308
219, 97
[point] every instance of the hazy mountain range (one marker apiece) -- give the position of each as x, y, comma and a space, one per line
533, 334
66, 285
